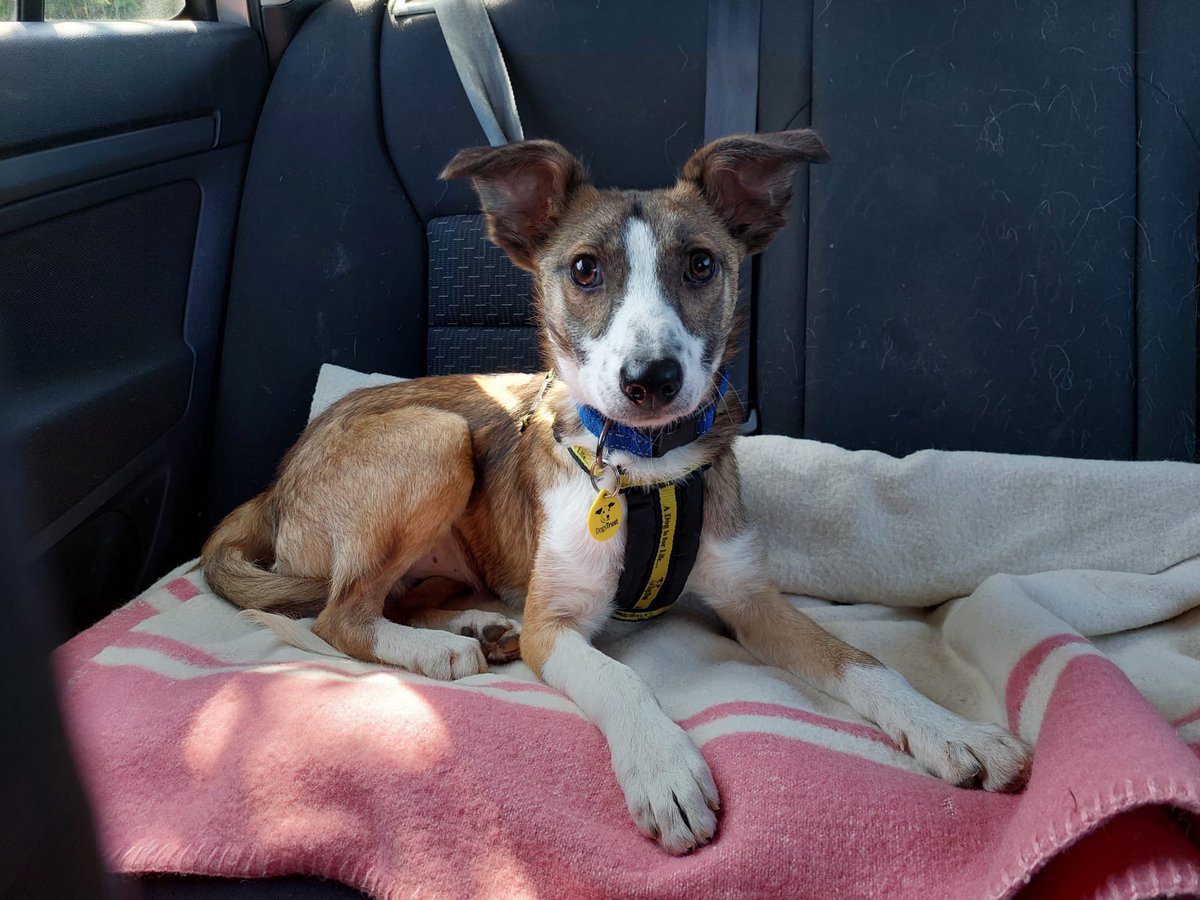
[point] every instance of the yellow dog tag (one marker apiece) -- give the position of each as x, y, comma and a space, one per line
604, 518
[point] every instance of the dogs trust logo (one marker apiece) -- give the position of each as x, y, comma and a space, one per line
606, 519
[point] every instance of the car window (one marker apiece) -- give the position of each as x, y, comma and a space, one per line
113, 9
95, 10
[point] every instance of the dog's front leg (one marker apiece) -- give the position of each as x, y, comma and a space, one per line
964, 753
668, 787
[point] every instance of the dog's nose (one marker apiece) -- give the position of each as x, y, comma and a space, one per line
656, 385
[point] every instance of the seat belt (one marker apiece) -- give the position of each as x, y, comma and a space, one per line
480, 64
731, 107
731, 73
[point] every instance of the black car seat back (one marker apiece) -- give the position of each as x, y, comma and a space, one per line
1001, 256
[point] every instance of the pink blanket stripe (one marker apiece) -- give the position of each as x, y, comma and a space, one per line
182, 589
71, 656
403, 787
1193, 716
1024, 671
749, 708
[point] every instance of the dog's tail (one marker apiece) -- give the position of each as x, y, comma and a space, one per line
288, 630
234, 557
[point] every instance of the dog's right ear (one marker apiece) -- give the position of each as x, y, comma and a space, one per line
524, 189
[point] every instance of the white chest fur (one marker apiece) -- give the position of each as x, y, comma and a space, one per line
577, 573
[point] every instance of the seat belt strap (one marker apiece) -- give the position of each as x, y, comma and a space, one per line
731, 107
731, 76
480, 65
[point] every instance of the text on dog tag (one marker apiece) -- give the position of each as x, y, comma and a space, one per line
604, 518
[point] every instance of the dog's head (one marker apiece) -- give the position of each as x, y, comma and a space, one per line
637, 290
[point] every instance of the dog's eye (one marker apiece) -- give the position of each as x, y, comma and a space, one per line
585, 271
701, 266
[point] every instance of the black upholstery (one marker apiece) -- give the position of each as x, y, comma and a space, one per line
776, 339
480, 307
471, 281
329, 264
979, 248
1166, 76
991, 263
967, 283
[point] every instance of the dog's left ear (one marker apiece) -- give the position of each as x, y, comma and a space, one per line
524, 189
749, 178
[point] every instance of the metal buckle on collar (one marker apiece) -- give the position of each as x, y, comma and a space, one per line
604, 476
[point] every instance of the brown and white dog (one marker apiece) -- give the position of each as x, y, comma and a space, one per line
397, 491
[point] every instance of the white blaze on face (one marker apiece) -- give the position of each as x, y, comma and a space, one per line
644, 327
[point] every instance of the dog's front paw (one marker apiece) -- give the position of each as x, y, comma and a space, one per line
446, 656
971, 754
668, 788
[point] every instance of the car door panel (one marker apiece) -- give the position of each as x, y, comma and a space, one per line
122, 154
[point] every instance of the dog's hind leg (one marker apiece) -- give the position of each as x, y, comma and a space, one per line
404, 478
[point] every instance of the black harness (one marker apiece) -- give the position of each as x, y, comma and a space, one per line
662, 539
663, 521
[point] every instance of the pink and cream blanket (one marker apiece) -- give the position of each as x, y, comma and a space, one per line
1060, 598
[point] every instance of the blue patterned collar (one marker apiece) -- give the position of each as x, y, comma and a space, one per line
656, 442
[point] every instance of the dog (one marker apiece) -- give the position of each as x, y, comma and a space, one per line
536, 489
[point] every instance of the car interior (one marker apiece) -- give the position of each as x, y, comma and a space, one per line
197, 212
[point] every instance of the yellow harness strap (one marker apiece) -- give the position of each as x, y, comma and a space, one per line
662, 528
